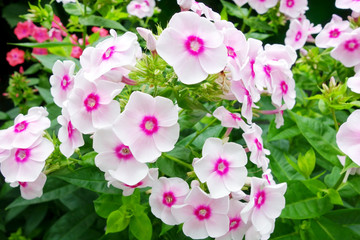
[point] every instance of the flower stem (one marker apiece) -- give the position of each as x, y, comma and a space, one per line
200, 132
335, 121
187, 165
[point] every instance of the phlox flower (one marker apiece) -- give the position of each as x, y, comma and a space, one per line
69, 136
229, 119
76, 52
222, 167
148, 126
265, 205
261, 6
116, 158
201, 9
202, 215
40, 51
102, 31
348, 50
91, 106
331, 34
40, 34
298, 33
240, 2
31, 190
57, 24
147, 181
25, 164
166, 193
141, 8
293, 8
26, 129
283, 86
193, 47
345, 4
62, 81
55, 33
24, 29
254, 143
348, 137
149, 38
15, 56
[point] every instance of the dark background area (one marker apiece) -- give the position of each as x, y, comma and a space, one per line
320, 12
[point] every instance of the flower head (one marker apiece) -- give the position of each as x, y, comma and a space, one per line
15, 57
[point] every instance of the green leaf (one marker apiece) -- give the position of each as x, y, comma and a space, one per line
48, 60
320, 136
33, 69
351, 188
301, 203
306, 163
349, 164
324, 228
165, 228
3, 116
11, 12
332, 178
289, 130
89, 159
106, 204
101, 22
133, 199
117, 221
256, 35
76, 9
335, 197
45, 94
345, 217
141, 227
256, 24
34, 217
43, 44
234, 10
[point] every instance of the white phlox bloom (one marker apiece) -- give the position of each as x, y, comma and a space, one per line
166, 193
185, 4
348, 50
298, 33
293, 8
201, 9
222, 167
261, 6
354, 82
141, 8
31, 190
345, 4
229, 119
283, 85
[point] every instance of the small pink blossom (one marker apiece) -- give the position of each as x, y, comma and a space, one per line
348, 50
148, 126
293, 8
222, 167
261, 6
283, 86
297, 34
102, 31
15, 57
202, 215
40, 51
141, 8
40, 34
193, 47
76, 52
345, 4
55, 33
229, 119
24, 29
31, 190
166, 193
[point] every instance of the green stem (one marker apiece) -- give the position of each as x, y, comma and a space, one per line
334, 118
187, 165
200, 132
84, 27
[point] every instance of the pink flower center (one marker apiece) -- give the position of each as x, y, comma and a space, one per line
149, 125
134, 186
123, 152
22, 155
259, 199
147, 3
267, 70
65, 82
298, 36
194, 45
252, 62
258, 144
70, 129
91, 102
284, 87
351, 45
221, 166
202, 212
21, 126
137, 6
169, 199
335, 33
108, 53
290, 3
235, 117
23, 184
234, 223
230, 51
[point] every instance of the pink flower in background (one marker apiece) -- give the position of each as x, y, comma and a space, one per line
55, 33
25, 164
57, 24
202, 215
40, 34
26, 129
76, 52
148, 126
261, 6
345, 4
31, 190
102, 32
293, 8
193, 47
348, 137
116, 158
166, 193
265, 205
228, 119
15, 57
62, 81
40, 51
348, 50
24, 29
141, 8
331, 34
69, 136
283, 86
222, 167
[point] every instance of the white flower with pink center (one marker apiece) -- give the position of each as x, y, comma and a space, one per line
261, 6
25, 164
345, 4
193, 47
116, 158
348, 50
31, 190
254, 143
26, 130
91, 106
113, 52
293, 8
148, 181
202, 215
62, 81
222, 167
141, 8
237, 227
354, 82
69, 136
331, 34
148, 126
166, 193
229, 119
297, 34
348, 137
265, 205
283, 86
